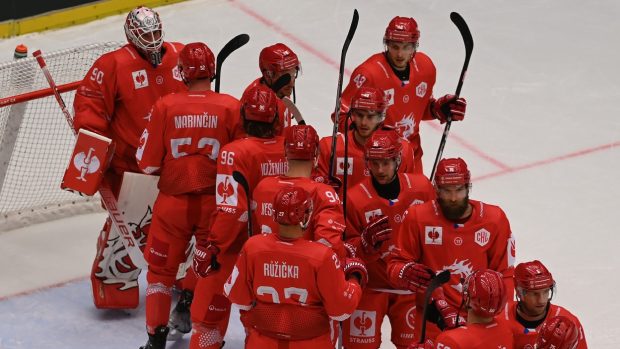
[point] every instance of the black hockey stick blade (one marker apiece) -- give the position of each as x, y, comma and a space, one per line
437, 281
240, 178
281, 82
343, 55
469, 46
231, 46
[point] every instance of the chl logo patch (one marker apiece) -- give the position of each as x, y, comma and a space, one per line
225, 190
420, 90
140, 79
363, 323
482, 237
433, 235
176, 74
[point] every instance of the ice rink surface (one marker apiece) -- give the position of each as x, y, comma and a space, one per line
541, 136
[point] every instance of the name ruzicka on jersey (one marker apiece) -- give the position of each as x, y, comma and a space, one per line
280, 270
195, 121
273, 168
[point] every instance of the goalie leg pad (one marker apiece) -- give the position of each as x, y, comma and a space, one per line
114, 278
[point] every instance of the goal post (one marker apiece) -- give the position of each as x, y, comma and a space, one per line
35, 140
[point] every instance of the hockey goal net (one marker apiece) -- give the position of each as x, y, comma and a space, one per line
35, 140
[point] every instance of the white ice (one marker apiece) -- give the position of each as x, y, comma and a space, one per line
541, 136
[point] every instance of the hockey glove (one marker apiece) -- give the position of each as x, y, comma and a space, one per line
350, 249
428, 344
205, 259
449, 106
443, 314
377, 231
415, 275
356, 267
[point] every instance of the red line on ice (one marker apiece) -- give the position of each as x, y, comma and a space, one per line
275, 27
551, 160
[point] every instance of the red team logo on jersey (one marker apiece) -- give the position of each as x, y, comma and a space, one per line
433, 235
340, 164
226, 190
363, 323
140, 79
482, 237
410, 317
86, 163
370, 214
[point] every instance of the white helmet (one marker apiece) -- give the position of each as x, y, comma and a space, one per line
143, 31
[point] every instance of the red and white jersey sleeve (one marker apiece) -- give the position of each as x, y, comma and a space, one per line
117, 93
299, 272
327, 221
183, 137
364, 203
525, 337
483, 242
408, 103
255, 158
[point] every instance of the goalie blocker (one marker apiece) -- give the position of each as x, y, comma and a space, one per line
91, 157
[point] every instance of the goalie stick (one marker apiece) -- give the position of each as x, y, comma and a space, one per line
437, 281
231, 46
105, 190
469, 46
343, 55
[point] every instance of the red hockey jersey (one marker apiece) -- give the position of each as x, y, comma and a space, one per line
408, 102
327, 221
482, 336
284, 114
483, 242
357, 169
291, 287
183, 137
525, 338
254, 158
117, 93
364, 202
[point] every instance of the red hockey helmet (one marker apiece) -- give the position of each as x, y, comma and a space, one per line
452, 171
292, 206
196, 61
383, 144
484, 293
143, 30
277, 58
259, 103
402, 29
532, 276
369, 98
301, 142
559, 332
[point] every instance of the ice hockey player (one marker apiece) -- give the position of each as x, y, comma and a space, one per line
181, 143
114, 100
484, 296
367, 113
293, 289
275, 61
257, 156
375, 207
559, 332
534, 287
453, 233
301, 147
407, 77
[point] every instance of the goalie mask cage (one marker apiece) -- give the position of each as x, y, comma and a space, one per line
35, 139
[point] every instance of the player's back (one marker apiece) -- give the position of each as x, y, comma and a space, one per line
476, 336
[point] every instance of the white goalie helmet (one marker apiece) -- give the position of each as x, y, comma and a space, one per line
143, 30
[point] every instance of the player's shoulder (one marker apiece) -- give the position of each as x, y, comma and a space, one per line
422, 58
488, 212
558, 310
176, 47
414, 180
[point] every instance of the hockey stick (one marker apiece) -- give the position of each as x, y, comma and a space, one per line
469, 46
343, 55
277, 85
437, 281
240, 178
231, 46
105, 190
